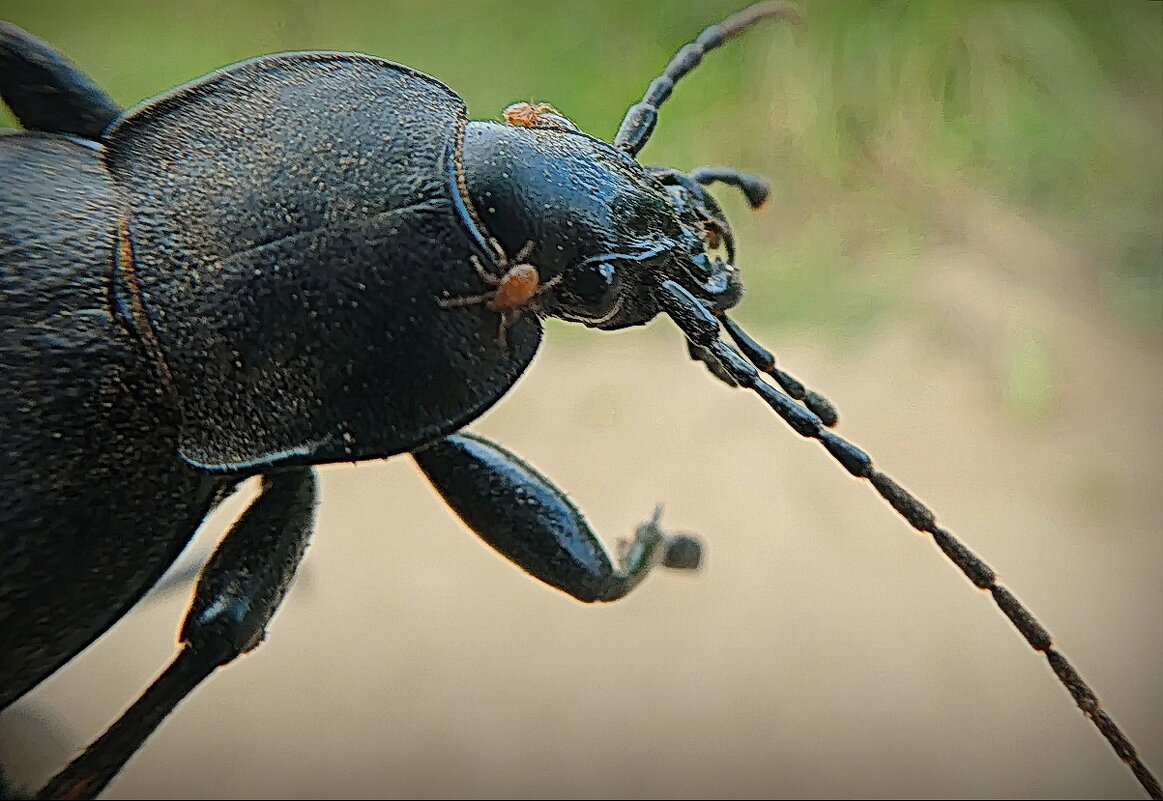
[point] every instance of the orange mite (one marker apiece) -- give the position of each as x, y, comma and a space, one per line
527, 115
516, 288
541, 115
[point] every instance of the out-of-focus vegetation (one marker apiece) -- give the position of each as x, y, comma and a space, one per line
883, 124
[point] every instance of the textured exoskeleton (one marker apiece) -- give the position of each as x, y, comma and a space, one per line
316, 257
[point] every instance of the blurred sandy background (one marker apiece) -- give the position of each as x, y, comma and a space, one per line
962, 251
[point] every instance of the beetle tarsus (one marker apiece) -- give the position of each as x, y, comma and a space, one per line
653, 545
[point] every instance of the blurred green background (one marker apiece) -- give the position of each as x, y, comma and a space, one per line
888, 128
963, 249
864, 119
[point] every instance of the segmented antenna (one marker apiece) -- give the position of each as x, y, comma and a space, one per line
702, 330
762, 358
640, 120
754, 187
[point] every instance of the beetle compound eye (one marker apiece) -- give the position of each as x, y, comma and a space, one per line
593, 286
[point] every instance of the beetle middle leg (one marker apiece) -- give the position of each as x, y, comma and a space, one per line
531, 522
238, 592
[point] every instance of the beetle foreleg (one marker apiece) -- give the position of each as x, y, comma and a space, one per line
238, 592
531, 522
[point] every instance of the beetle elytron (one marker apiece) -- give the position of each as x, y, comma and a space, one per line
316, 257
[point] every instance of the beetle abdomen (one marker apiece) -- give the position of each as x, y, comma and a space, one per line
94, 503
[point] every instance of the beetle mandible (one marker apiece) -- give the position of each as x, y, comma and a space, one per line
189, 304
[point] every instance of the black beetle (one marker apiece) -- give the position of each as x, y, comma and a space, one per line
312, 396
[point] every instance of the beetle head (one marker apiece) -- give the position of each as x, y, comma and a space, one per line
664, 227
603, 231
